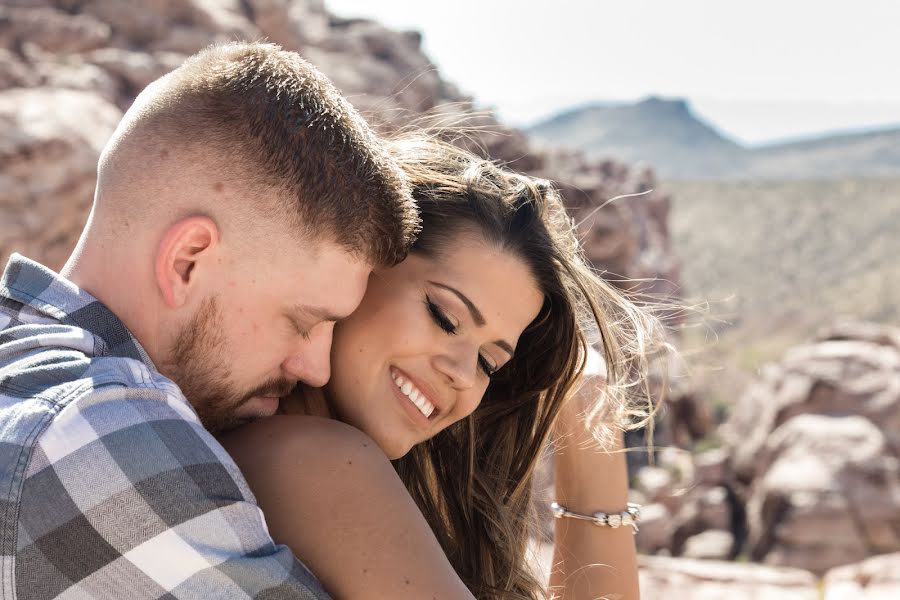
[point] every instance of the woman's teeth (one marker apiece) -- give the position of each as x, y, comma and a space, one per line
418, 398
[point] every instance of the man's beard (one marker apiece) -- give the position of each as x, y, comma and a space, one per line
199, 364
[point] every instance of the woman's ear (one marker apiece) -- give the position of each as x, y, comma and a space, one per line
184, 245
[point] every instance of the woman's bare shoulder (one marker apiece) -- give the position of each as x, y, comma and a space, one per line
285, 452
287, 434
330, 493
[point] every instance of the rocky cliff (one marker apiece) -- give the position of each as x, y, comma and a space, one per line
70, 68
808, 476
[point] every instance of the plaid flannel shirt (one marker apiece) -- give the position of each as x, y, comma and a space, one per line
109, 485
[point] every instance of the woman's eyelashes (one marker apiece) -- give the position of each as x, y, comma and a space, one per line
444, 322
486, 366
440, 317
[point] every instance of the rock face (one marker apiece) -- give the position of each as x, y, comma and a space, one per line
105, 51
814, 451
693, 579
48, 164
70, 68
809, 476
877, 578
688, 511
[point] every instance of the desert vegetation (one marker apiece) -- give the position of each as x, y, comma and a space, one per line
775, 261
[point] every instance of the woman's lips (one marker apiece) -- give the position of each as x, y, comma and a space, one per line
415, 413
405, 384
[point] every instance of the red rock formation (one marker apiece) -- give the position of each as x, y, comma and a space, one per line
877, 578
70, 68
692, 579
814, 451
105, 51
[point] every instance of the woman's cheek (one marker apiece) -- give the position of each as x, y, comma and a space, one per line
471, 404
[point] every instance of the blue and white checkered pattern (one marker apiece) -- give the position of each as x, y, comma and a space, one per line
109, 485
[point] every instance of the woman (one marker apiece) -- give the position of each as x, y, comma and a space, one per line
457, 364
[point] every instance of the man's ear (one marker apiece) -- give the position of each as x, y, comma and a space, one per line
185, 244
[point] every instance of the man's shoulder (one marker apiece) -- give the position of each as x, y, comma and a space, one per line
130, 417
136, 485
100, 427
109, 484
39, 356
117, 439
52, 390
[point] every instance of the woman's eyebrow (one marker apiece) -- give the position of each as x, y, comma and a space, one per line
476, 314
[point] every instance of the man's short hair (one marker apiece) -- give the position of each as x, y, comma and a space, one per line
275, 121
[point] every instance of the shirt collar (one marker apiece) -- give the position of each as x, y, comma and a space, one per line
48, 292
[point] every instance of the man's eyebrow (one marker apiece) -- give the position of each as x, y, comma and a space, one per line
315, 313
476, 314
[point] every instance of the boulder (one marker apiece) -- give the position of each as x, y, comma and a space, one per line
703, 509
291, 24
48, 162
829, 494
712, 544
655, 483
15, 72
694, 579
655, 529
812, 450
51, 29
876, 578
133, 70
710, 466
839, 375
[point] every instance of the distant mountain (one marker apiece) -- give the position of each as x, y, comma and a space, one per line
869, 154
662, 133
666, 134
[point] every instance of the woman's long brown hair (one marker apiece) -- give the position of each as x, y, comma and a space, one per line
472, 481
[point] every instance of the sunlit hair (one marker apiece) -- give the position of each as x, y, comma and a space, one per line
264, 118
473, 480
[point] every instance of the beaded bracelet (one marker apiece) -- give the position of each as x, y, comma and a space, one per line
630, 516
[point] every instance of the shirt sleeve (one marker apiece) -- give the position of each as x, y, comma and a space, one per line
127, 496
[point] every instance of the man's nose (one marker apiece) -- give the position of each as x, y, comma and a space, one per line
310, 361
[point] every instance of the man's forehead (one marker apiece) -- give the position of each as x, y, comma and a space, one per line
331, 302
325, 285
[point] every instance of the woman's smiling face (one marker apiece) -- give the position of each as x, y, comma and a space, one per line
417, 354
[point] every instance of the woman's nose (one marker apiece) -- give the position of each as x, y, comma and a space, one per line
459, 365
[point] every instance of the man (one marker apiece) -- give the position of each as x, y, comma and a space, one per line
241, 205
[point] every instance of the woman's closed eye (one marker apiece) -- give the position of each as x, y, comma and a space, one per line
444, 322
440, 317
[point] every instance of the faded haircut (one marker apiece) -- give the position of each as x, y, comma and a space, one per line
274, 120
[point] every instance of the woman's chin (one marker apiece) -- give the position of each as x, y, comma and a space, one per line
394, 449
392, 446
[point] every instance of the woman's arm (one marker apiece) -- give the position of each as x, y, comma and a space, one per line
590, 561
331, 495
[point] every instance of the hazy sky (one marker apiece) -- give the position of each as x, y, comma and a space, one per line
759, 70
